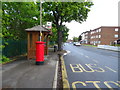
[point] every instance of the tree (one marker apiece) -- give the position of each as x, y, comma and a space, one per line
16, 17
65, 34
79, 38
59, 12
75, 39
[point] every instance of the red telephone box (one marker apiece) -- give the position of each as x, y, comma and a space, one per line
39, 52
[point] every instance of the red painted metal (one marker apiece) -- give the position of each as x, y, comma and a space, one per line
39, 52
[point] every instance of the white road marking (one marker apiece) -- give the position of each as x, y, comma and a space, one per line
67, 52
86, 56
95, 61
110, 69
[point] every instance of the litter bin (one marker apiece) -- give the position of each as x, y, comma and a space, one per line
55, 48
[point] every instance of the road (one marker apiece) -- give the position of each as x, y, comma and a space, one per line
89, 67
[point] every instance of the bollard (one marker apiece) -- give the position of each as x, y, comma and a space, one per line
39, 52
55, 48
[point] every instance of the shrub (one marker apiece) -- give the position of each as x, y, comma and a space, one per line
5, 59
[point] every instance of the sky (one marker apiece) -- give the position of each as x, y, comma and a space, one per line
103, 13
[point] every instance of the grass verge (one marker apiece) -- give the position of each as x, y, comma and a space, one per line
91, 45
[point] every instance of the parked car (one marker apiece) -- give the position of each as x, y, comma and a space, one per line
74, 43
77, 43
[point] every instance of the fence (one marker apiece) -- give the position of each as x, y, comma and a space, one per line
15, 48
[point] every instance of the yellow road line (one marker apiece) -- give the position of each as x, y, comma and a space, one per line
77, 66
85, 69
110, 69
95, 84
64, 75
76, 82
106, 83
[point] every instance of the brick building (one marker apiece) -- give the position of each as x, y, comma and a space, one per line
86, 37
104, 35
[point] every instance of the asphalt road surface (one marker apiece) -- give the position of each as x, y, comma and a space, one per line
89, 67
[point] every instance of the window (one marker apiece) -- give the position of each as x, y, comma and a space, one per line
96, 30
99, 42
116, 29
99, 36
116, 35
99, 30
91, 42
96, 36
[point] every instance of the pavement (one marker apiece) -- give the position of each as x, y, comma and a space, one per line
24, 73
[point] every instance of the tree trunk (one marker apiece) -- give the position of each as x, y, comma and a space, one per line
59, 38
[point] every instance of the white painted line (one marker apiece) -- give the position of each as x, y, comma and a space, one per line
67, 52
110, 69
55, 77
86, 56
95, 61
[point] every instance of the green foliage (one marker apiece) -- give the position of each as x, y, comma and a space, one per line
54, 36
66, 11
75, 39
59, 12
5, 59
65, 34
16, 17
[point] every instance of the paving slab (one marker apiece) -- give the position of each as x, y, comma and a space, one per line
25, 74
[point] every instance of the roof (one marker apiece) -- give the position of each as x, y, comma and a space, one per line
37, 28
106, 27
101, 27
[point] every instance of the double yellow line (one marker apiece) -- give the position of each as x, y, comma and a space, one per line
64, 75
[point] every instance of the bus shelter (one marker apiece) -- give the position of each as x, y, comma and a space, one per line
33, 35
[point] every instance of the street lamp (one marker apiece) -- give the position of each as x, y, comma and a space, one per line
40, 19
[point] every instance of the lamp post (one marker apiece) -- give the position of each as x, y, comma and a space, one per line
40, 44
40, 19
